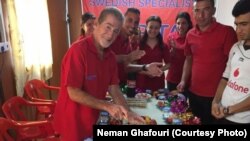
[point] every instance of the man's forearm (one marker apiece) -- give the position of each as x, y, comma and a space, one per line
117, 96
86, 99
187, 69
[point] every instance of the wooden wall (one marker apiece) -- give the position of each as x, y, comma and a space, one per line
58, 25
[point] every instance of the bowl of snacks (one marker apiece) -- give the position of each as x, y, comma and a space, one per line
145, 96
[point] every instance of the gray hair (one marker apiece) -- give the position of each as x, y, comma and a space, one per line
110, 11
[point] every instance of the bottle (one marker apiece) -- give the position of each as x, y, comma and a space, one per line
131, 84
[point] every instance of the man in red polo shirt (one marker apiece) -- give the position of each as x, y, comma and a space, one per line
125, 49
88, 71
207, 50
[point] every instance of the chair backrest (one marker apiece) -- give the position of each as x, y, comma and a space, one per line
7, 130
13, 108
34, 89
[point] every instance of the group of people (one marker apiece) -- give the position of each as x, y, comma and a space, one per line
205, 62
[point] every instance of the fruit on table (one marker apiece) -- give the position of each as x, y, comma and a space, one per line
149, 121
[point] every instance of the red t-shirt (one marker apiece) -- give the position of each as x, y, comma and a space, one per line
156, 54
177, 59
210, 50
82, 68
121, 47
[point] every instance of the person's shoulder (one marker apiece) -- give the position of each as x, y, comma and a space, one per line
81, 37
80, 45
236, 46
193, 30
224, 26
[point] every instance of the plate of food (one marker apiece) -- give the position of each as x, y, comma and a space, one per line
145, 96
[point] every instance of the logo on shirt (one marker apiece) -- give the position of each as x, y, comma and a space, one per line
241, 59
235, 86
236, 72
91, 77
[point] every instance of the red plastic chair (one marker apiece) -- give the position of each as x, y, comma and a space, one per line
35, 89
7, 130
14, 131
14, 109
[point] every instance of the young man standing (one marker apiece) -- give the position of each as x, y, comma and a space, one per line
231, 103
126, 48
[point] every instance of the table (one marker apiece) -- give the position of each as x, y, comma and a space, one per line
151, 110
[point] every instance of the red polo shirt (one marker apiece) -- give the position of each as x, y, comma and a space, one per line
177, 59
210, 51
81, 37
156, 54
83, 68
121, 47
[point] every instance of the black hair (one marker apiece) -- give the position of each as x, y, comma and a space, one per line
241, 7
212, 2
133, 10
145, 36
85, 17
186, 16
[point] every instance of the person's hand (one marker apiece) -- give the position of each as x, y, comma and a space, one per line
180, 87
154, 69
134, 118
172, 45
136, 54
117, 111
134, 39
217, 110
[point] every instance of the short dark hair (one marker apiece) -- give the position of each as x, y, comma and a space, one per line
132, 10
110, 11
211, 1
186, 16
85, 17
241, 7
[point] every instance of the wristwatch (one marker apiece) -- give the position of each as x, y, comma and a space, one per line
226, 110
144, 67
